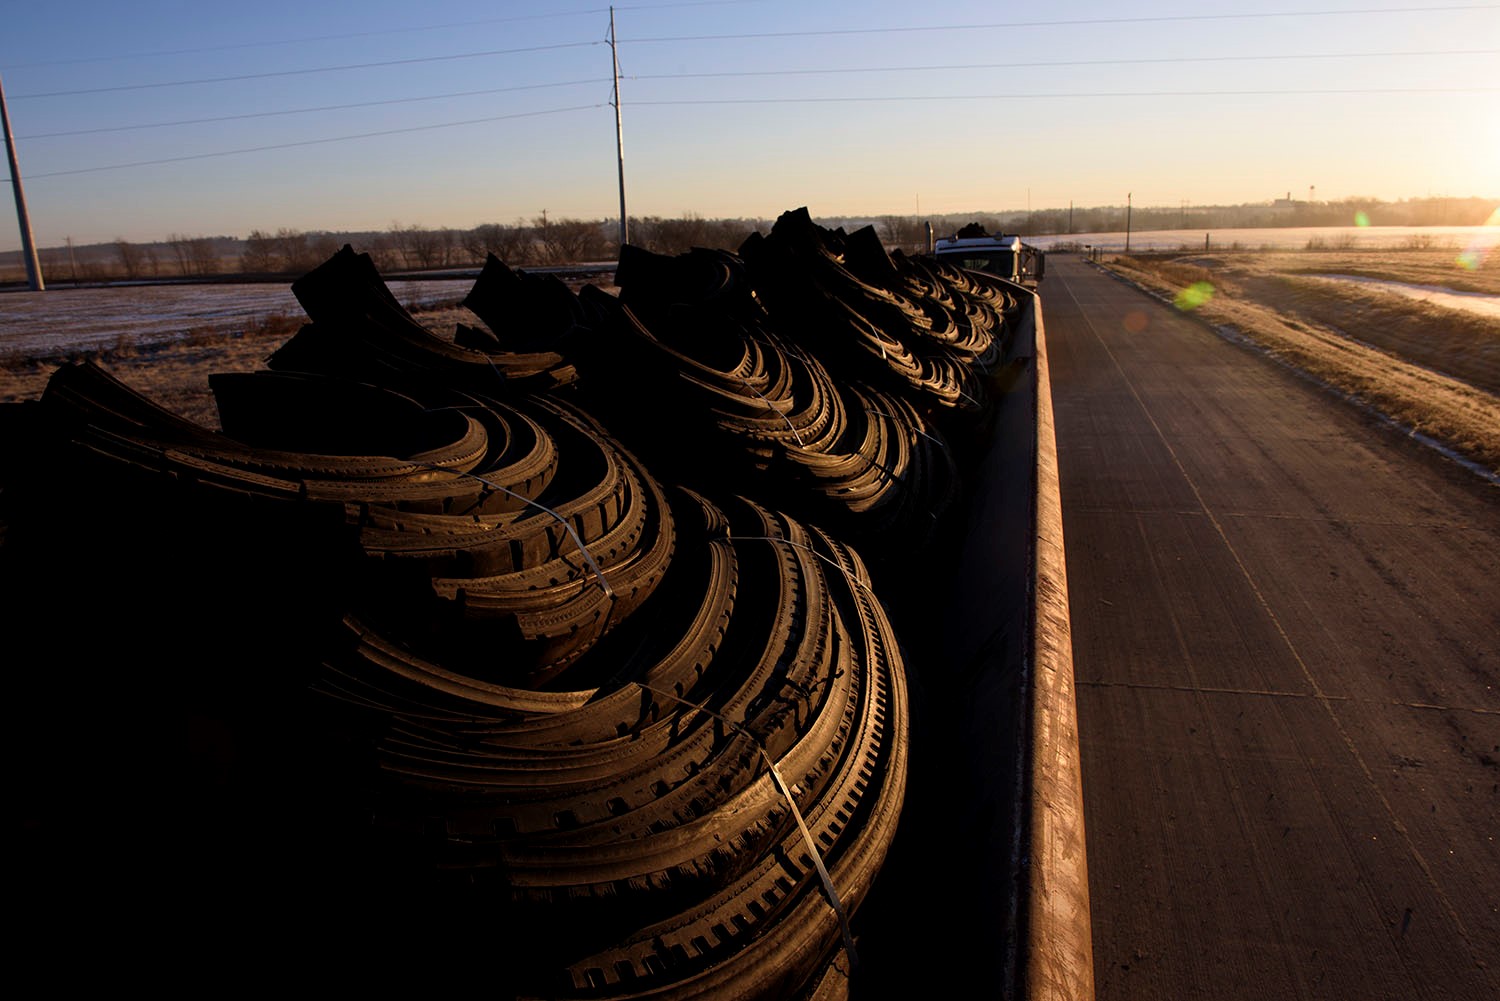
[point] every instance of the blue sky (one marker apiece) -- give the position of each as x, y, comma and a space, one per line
471, 112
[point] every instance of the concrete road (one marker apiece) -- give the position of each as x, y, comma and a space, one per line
1286, 633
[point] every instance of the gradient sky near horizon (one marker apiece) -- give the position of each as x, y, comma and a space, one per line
140, 120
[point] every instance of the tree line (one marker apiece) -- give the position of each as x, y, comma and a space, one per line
538, 242
1279, 213
544, 240
541, 241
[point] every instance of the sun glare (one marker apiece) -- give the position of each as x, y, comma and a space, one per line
1195, 295
1474, 254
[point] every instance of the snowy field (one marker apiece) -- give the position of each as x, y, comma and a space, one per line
64, 320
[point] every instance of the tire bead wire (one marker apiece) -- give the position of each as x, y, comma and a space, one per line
553, 603
593, 976
729, 920
795, 654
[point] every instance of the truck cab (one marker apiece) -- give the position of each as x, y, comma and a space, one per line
996, 254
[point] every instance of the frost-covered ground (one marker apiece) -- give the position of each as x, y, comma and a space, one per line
61, 321
1438, 295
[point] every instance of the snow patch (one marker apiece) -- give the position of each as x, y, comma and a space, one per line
1437, 295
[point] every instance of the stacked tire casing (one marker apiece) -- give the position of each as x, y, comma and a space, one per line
550, 633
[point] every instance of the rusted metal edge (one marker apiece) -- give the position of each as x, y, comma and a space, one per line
1057, 962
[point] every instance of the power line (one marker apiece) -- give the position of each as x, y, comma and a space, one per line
1018, 96
920, 98
315, 69
160, 53
684, 38
770, 100
1161, 19
1061, 63
305, 111
551, 15
316, 142
757, 73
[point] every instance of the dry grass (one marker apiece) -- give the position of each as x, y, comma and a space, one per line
1432, 369
1416, 267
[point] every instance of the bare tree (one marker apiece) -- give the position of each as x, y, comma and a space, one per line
448, 246
132, 257
205, 260
320, 247
512, 244
426, 248
259, 255
181, 247
905, 232
567, 241
287, 251
406, 241
87, 264
293, 252
194, 255
384, 253
678, 236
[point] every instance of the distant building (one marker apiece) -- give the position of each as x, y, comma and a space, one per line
1284, 206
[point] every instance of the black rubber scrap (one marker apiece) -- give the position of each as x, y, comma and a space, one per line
544, 641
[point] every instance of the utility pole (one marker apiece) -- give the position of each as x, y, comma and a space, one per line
28, 247
1127, 222
1070, 216
614, 54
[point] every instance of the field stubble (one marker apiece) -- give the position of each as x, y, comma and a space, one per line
1433, 369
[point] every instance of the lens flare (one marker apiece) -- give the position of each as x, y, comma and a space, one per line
1360, 219
1135, 321
1194, 295
1474, 254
